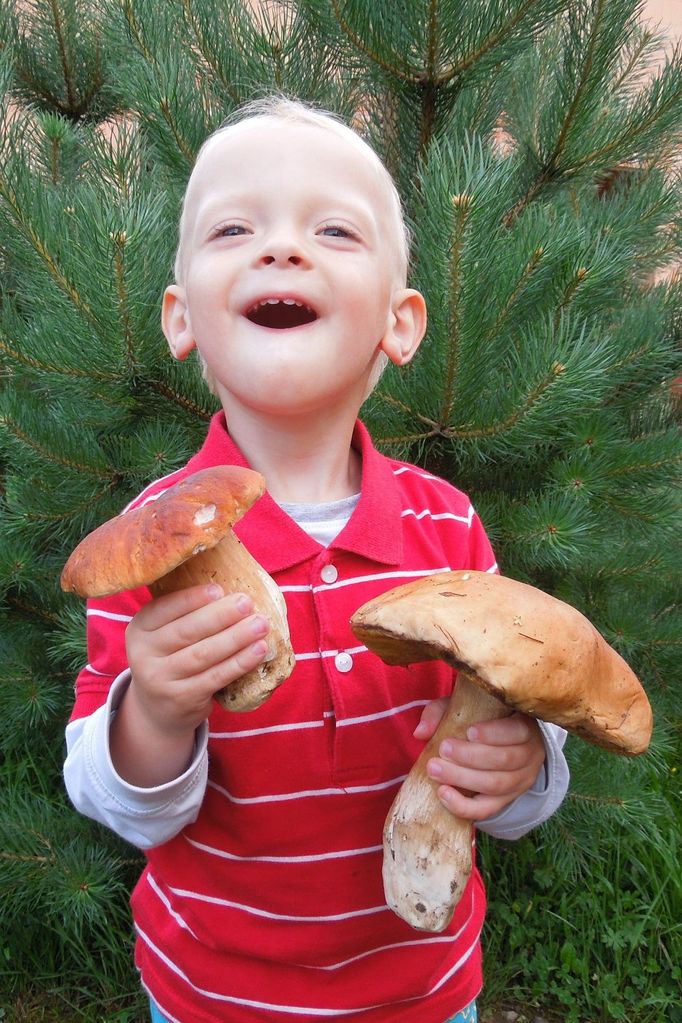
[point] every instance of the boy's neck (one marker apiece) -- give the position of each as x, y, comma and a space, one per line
302, 462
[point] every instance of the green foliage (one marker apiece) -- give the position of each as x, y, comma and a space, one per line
531, 142
602, 943
59, 61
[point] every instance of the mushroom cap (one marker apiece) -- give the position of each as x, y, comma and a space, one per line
533, 652
138, 547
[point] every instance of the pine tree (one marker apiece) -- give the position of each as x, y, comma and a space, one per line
533, 142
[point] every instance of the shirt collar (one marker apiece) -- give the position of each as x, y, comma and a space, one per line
273, 538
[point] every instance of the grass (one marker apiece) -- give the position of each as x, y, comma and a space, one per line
605, 946
55, 1006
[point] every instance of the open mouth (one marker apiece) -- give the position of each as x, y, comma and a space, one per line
281, 313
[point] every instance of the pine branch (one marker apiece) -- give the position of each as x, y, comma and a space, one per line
489, 44
582, 797
634, 61
74, 510
569, 294
137, 33
33, 610
362, 47
551, 164
502, 426
462, 208
208, 53
120, 238
583, 81
626, 511
51, 455
71, 91
526, 274
625, 470
53, 860
407, 411
59, 370
41, 249
402, 440
184, 146
631, 134
181, 400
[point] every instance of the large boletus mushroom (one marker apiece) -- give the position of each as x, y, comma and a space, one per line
515, 648
184, 538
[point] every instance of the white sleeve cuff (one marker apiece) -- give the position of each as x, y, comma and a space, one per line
536, 805
144, 817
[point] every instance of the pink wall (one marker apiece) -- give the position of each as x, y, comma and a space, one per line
667, 14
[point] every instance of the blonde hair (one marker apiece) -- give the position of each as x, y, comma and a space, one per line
285, 109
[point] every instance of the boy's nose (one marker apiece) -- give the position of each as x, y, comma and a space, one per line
283, 250
293, 258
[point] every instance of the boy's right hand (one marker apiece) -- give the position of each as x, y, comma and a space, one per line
182, 648
185, 646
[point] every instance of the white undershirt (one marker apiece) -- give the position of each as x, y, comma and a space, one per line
325, 521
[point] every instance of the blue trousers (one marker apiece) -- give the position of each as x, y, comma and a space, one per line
467, 1015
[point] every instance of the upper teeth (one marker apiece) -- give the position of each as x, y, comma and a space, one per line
276, 301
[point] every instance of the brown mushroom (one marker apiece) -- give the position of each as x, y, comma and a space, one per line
184, 538
515, 648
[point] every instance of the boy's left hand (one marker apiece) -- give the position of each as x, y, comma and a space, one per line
482, 774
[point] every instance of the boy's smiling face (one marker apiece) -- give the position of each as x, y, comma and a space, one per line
292, 281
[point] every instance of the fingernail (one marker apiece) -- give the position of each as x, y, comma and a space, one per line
259, 625
214, 591
244, 604
260, 648
446, 748
472, 734
420, 730
434, 769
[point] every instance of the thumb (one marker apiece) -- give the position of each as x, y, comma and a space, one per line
430, 718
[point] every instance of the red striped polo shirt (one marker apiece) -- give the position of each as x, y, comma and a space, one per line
270, 905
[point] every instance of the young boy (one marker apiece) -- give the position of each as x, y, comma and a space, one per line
262, 896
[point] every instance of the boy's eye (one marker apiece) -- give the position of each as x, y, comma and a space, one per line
229, 231
337, 231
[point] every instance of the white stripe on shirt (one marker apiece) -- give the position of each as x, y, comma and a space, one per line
439, 516
215, 900
340, 854
364, 718
282, 797
94, 612
422, 475
247, 733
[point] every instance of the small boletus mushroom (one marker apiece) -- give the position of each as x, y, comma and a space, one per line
184, 538
515, 648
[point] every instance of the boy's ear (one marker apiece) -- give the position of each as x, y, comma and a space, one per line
175, 322
407, 326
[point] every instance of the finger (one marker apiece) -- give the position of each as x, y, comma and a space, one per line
218, 676
219, 647
430, 718
490, 783
202, 621
482, 757
470, 808
171, 606
513, 730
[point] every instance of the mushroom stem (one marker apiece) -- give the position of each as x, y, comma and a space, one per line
428, 853
230, 565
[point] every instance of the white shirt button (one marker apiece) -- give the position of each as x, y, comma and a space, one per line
329, 574
343, 662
